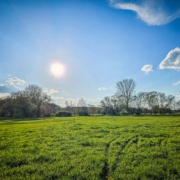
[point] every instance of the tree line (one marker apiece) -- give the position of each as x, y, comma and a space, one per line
125, 101
33, 102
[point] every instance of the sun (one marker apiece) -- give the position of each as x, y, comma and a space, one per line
57, 69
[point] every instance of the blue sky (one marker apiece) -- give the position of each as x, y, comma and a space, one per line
81, 48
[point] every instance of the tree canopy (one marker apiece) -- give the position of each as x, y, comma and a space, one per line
31, 102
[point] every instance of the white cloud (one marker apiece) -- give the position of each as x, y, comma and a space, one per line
149, 12
51, 91
15, 82
3, 95
102, 89
147, 68
172, 60
2, 85
175, 84
58, 100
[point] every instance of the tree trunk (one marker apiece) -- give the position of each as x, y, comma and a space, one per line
38, 111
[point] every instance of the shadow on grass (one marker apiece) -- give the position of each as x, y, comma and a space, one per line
15, 119
28, 119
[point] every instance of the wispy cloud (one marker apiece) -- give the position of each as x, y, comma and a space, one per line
175, 84
148, 11
57, 100
2, 85
51, 91
172, 60
147, 68
102, 89
15, 82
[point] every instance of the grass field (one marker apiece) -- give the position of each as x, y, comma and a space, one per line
91, 148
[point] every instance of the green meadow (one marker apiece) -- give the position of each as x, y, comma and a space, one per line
90, 148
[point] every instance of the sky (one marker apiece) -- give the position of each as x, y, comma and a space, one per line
77, 49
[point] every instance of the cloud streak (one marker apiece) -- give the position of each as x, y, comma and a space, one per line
172, 60
148, 11
102, 89
51, 91
147, 68
175, 84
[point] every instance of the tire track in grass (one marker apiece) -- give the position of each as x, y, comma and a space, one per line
162, 144
105, 170
127, 143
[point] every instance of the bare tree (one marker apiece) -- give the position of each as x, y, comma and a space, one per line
125, 89
81, 103
81, 108
151, 99
92, 109
169, 101
111, 105
107, 106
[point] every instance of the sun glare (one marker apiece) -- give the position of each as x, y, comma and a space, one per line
57, 69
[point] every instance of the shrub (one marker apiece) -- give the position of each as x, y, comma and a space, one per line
53, 115
83, 113
63, 114
123, 112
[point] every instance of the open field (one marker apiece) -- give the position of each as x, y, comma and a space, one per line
91, 148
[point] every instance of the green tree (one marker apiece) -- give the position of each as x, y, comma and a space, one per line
23, 107
37, 97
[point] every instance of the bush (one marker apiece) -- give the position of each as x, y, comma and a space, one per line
123, 112
63, 114
83, 113
53, 115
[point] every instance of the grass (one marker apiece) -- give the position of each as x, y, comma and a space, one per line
101, 147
